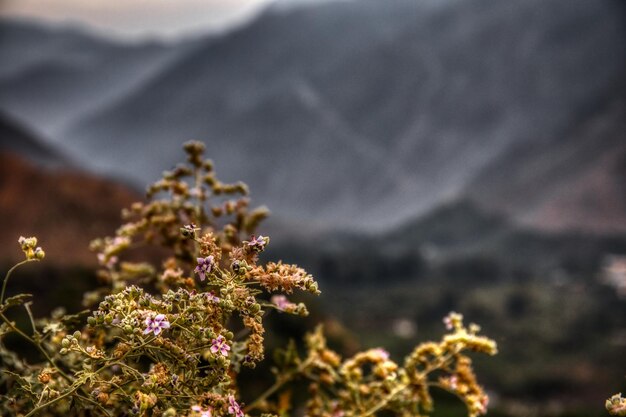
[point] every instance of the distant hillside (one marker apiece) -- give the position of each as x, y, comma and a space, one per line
359, 114
15, 138
577, 180
462, 230
65, 208
51, 77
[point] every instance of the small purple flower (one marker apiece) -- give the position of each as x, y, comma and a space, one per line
204, 267
258, 243
156, 324
210, 296
280, 301
220, 345
233, 407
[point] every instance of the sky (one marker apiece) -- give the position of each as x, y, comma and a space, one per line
138, 19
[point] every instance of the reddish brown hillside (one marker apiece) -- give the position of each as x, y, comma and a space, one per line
65, 209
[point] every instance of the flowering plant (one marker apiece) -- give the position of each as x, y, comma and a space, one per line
170, 339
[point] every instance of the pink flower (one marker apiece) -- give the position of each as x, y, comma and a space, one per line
210, 296
107, 262
382, 353
454, 382
233, 407
220, 345
204, 267
156, 324
484, 402
258, 243
280, 301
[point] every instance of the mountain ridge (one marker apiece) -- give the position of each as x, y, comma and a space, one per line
363, 117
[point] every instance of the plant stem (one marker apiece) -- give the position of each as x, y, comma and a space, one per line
37, 345
277, 385
6, 277
386, 400
431, 367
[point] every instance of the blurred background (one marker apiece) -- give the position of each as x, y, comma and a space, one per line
419, 156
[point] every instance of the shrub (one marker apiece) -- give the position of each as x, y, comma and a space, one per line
170, 338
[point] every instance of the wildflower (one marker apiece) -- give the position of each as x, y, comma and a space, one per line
616, 405
453, 321
281, 302
454, 382
233, 407
382, 353
107, 261
204, 267
210, 296
201, 411
196, 192
258, 243
482, 404
28, 247
189, 230
220, 345
156, 324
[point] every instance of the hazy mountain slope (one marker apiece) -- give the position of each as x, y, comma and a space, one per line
16, 139
371, 112
577, 180
52, 77
359, 114
463, 231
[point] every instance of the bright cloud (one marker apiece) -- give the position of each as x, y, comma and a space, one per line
138, 18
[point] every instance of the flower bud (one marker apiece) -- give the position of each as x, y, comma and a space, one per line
39, 254
170, 412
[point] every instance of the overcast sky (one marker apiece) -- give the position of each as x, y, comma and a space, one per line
138, 18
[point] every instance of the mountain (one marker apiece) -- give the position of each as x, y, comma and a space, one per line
50, 77
576, 180
464, 230
62, 206
16, 139
365, 114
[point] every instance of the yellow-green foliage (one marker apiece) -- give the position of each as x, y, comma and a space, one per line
161, 340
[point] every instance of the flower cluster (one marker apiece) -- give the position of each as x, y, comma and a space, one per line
169, 338
370, 381
616, 405
30, 248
